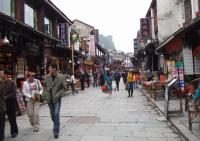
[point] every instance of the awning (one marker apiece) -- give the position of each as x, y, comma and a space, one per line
194, 24
150, 48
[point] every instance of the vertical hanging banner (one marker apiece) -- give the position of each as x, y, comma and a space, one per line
135, 43
144, 25
63, 33
180, 70
91, 45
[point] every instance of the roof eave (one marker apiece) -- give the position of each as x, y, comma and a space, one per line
58, 11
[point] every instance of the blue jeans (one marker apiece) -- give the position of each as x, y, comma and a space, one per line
130, 89
55, 116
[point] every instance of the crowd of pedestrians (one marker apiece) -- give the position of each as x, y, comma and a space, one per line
52, 90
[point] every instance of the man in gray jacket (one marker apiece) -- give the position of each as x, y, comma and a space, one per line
55, 89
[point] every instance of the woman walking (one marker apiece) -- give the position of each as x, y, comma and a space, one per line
108, 81
130, 83
73, 84
32, 89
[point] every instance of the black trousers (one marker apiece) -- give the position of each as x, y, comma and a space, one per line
2, 125
88, 82
82, 85
11, 105
117, 83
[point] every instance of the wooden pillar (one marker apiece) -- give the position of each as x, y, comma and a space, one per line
19, 10
40, 17
54, 27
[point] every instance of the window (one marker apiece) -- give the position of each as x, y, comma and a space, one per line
47, 26
30, 16
188, 10
8, 7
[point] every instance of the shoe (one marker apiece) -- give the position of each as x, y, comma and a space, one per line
14, 135
36, 129
56, 136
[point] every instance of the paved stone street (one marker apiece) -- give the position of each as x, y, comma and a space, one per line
94, 116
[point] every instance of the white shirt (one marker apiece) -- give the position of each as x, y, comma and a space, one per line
73, 79
29, 89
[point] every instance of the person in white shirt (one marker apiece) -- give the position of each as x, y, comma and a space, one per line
32, 89
73, 84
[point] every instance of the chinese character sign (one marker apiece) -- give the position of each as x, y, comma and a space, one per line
63, 33
144, 23
135, 43
92, 45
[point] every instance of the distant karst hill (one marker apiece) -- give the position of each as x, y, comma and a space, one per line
106, 42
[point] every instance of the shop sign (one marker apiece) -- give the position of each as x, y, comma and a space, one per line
144, 25
92, 45
167, 96
180, 70
76, 45
135, 43
63, 33
171, 69
20, 102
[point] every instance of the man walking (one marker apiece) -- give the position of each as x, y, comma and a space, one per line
2, 109
87, 76
117, 77
9, 91
55, 89
82, 80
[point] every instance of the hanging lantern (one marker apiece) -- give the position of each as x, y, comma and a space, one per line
5, 41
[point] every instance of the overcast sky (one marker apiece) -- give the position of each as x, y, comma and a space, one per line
119, 18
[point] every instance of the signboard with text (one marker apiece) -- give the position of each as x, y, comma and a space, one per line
180, 70
167, 96
64, 33
135, 43
92, 45
144, 25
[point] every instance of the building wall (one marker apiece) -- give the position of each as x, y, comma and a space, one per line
82, 29
194, 8
170, 17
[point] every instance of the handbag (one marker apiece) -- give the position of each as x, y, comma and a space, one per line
197, 94
104, 88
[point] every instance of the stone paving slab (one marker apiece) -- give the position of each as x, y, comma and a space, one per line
94, 116
180, 121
